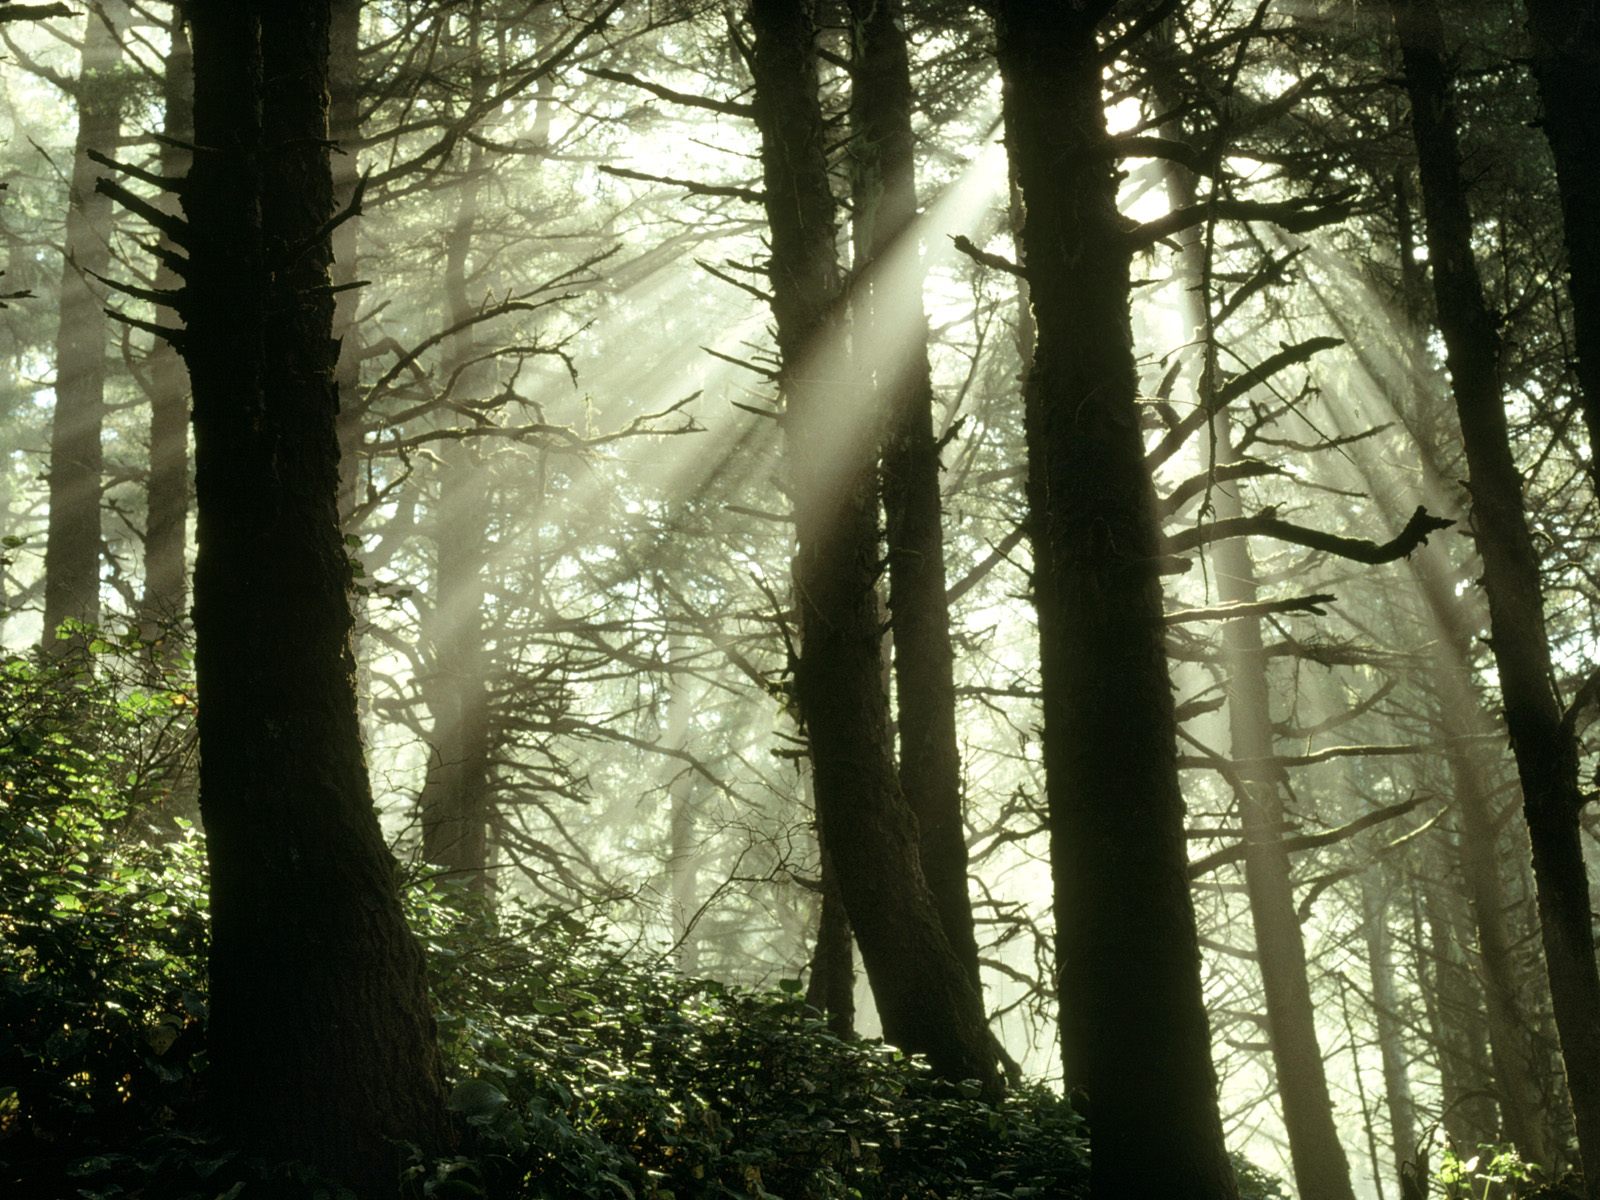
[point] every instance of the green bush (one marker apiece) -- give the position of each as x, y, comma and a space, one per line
578, 1070
102, 919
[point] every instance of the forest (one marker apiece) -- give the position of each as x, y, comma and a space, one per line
799, 599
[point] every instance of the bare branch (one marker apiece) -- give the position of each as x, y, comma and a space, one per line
732, 108
1268, 524
1251, 608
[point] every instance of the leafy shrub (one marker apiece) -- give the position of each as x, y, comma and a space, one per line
580, 1071
102, 919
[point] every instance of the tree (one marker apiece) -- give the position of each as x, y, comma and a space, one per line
1566, 57
321, 1040
72, 547
1542, 733
1127, 957
929, 1003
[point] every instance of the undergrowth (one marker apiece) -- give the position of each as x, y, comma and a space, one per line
577, 1070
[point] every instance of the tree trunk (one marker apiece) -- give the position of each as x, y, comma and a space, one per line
322, 1044
1566, 62
167, 493
1455, 1016
72, 537
1134, 1023
891, 332
1544, 745
1320, 1168
1390, 1027
683, 851
928, 1002
455, 800
831, 989
344, 126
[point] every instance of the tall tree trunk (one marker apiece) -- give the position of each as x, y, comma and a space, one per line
1462, 726
831, 989
72, 537
1566, 62
683, 852
928, 1002
891, 331
1128, 960
167, 493
1455, 1015
322, 1043
455, 799
1391, 1029
1320, 1168
344, 126
1544, 744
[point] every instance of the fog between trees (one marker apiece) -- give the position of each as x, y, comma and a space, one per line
1067, 531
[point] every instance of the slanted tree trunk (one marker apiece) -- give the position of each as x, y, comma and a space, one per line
1566, 62
1462, 725
1543, 743
891, 331
322, 1043
166, 587
928, 1002
72, 536
1320, 1169
1134, 1023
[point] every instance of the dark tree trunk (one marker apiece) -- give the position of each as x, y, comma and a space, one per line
1133, 1018
321, 1040
887, 316
928, 1002
1544, 745
72, 536
344, 126
831, 989
166, 587
1566, 62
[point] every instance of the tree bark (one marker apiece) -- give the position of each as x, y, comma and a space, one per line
72, 536
1390, 1028
166, 585
831, 988
344, 126
1320, 1168
891, 332
1133, 1017
1566, 63
322, 1044
1455, 1015
455, 800
1544, 745
928, 1002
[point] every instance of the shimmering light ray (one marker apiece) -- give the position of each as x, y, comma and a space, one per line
849, 413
